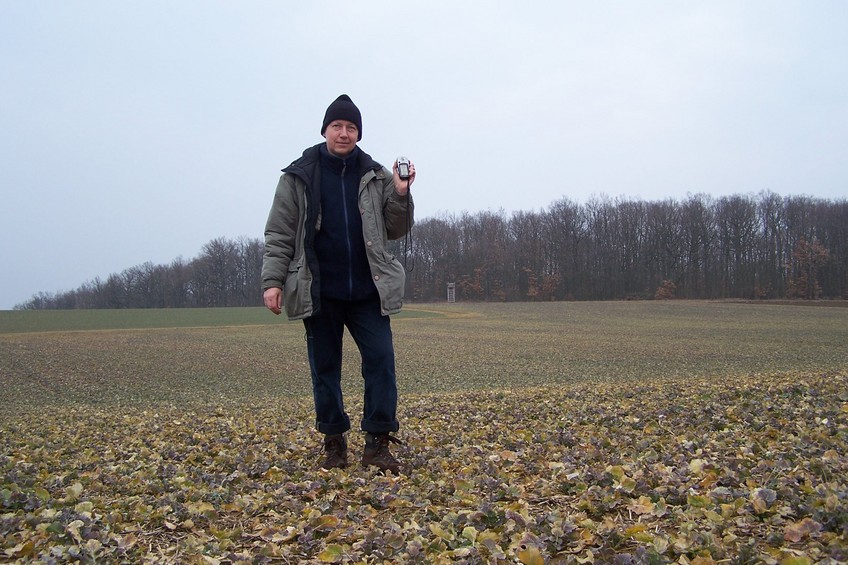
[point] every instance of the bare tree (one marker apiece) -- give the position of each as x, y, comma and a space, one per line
735, 246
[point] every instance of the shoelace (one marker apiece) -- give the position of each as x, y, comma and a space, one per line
333, 445
383, 440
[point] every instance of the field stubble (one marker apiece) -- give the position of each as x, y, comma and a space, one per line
576, 432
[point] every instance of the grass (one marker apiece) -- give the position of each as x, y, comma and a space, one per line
664, 431
22, 321
207, 356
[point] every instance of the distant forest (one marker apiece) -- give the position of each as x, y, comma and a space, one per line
752, 247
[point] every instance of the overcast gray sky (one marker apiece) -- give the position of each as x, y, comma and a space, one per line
137, 131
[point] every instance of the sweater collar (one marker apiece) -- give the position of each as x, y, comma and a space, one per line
337, 164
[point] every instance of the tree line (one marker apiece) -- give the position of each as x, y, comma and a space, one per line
226, 273
754, 247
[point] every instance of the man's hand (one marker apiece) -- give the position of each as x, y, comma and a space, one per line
273, 298
402, 186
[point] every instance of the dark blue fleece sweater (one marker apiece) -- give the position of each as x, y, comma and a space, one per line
345, 274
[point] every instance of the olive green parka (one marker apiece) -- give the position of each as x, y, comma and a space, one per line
290, 262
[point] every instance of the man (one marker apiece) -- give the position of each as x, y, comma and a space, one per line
326, 262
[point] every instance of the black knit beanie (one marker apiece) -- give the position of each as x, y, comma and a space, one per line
343, 108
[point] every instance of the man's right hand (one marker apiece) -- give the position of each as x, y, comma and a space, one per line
274, 300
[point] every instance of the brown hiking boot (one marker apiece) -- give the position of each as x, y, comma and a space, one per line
335, 451
377, 452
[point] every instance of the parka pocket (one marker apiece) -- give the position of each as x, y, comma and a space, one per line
297, 290
294, 269
392, 280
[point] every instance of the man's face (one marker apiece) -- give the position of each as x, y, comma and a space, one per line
341, 136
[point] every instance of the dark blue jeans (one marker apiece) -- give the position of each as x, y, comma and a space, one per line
372, 333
